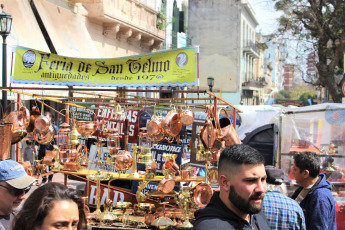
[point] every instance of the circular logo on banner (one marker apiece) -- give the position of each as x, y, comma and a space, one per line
29, 58
181, 59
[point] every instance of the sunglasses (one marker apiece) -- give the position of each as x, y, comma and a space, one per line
17, 192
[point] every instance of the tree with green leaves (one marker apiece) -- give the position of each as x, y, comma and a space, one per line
320, 23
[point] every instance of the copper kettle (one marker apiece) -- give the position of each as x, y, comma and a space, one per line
155, 130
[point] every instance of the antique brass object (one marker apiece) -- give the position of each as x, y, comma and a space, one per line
74, 136
145, 157
123, 205
134, 173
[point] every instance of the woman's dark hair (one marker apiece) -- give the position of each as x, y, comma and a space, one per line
38, 205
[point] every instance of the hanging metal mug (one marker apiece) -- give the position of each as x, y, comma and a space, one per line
171, 123
186, 117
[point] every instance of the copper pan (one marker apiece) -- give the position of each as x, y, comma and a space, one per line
123, 161
45, 137
171, 123
166, 185
42, 124
186, 117
202, 194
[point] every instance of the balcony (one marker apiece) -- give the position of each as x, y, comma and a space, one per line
131, 20
251, 49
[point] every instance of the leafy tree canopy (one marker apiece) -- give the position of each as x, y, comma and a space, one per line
321, 24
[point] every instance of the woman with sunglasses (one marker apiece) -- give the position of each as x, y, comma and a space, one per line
50, 207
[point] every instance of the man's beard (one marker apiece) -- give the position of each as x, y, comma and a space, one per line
244, 205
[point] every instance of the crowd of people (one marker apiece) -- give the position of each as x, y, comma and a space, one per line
251, 196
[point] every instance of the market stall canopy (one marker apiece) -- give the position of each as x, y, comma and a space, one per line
66, 30
25, 29
165, 68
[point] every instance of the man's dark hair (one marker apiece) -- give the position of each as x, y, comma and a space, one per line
308, 161
237, 155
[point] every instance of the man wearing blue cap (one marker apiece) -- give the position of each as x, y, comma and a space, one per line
14, 184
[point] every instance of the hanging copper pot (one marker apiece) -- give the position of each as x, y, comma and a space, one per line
171, 123
202, 194
35, 112
86, 128
186, 117
155, 130
45, 137
20, 120
123, 161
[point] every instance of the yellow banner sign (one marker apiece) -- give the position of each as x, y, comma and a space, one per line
168, 68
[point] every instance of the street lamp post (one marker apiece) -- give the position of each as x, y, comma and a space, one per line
210, 82
5, 30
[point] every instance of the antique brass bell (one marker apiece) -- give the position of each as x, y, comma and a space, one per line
118, 110
145, 157
74, 136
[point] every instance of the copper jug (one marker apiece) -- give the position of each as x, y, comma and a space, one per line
226, 131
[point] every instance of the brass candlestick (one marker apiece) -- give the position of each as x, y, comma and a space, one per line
184, 201
134, 174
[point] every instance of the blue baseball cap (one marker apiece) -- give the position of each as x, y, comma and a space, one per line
14, 174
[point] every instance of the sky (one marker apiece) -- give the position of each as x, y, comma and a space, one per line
266, 16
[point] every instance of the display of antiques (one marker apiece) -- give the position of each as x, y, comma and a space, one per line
161, 208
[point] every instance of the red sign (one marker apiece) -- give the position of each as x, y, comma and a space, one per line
118, 122
344, 88
124, 195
